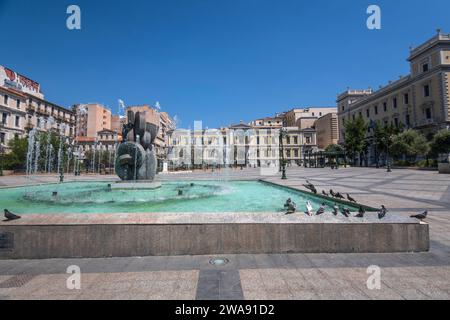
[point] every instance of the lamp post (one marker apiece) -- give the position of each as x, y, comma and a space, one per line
388, 162
283, 133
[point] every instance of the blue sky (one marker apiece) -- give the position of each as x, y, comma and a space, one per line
210, 60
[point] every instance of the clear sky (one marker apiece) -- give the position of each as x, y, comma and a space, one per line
219, 61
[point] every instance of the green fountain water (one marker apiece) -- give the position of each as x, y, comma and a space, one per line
192, 197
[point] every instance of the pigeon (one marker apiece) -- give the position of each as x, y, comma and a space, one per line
321, 210
421, 216
324, 193
382, 213
350, 198
361, 213
339, 196
346, 212
309, 208
335, 209
10, 216
332, 193
311, 188
291, 207
288, 203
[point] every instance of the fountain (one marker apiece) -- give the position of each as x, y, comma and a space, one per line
135, 161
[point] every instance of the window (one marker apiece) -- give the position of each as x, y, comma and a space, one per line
296, 153
308, 140
313, 114
428, 113
2, 137
18, 103
295, 140
408, 120
38, 122
17, 122
406, 98
368, 113
425, 67
320, 114
343, 108
426, 90
353, 116
376, 109
394, 102
396, 122
288, 140
384, 106
5, 99
4, 118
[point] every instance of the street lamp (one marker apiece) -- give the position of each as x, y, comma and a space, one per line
388, 162
283, 133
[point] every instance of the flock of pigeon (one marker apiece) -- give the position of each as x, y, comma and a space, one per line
291, 206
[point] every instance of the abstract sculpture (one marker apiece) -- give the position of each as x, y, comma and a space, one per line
136, 157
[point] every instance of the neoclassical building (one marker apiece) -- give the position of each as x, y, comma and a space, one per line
242, 144
23, 108
419, 100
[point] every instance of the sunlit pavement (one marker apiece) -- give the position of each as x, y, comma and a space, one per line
279, 276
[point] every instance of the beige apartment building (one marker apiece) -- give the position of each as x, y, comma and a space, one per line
419, 100
304, 118
151, 114
23, 108
13, 115
327, 130
92, 118
117, 123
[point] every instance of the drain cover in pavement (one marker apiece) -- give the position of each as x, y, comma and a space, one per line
17, 281
219, 261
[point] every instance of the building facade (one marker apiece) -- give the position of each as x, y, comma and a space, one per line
418, 101
13, 115
92, 118
327, 130
23, 108
241, 144
305, 118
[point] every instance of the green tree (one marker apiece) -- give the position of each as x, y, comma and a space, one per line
355, 134
334, 148
383, 138
441, 143
16, 158
410, 144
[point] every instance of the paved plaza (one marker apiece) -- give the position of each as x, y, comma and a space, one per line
277, 276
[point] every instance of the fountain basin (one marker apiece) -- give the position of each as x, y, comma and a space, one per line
90, 220
167, 234
140, 184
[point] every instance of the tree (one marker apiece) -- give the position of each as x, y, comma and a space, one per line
334, 148
355, 134
441, 143
16, 158
411, 144
383, 138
